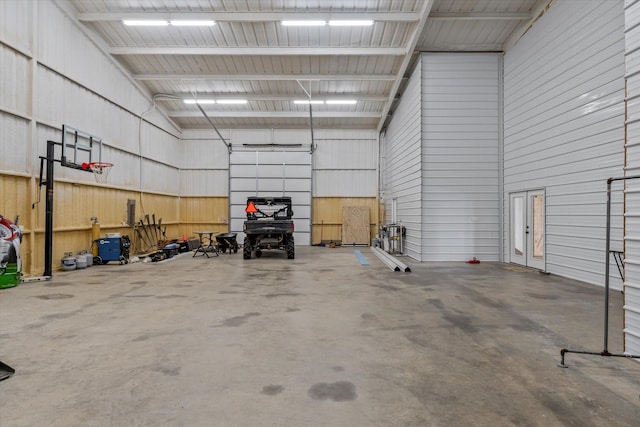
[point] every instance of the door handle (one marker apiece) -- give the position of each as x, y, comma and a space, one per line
527, 230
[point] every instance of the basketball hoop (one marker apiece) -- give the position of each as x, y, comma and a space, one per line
100, 170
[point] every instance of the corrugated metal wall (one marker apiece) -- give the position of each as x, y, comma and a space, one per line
632, 223
564, 129
204, 164
402, 167
345, 173
460, 163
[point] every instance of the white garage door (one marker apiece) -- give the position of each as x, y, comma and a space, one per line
271, 173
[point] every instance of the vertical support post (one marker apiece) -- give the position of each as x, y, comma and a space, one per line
48, 225
606, 270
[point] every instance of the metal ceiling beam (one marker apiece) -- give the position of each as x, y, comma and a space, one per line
494, 16
249, 16
260, 51
268, 77
417, 31
272, 97
277, 114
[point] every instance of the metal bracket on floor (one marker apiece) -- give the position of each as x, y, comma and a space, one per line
603, 353
35, 279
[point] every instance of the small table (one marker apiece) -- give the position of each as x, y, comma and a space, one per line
206, 243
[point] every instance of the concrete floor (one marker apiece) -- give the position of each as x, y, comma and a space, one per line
316, 341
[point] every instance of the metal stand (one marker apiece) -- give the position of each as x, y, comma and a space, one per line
48, 218
605, 352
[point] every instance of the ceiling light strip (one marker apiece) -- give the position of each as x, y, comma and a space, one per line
341, 101
351, 23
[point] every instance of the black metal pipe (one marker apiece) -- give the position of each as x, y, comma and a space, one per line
602, 353
224, 141
48, 218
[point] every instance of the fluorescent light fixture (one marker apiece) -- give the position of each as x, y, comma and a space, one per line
307, 102
199, 101
231, 101
304, 23
145, 23
193, 23
341, 101
350, 23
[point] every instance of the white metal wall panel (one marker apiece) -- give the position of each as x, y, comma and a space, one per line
64, 47
204, 164
204, 182
14, 152
159, 177
345, 183
15, 91
63, 101
346, 167
16, 23
402, 170
564, 130
460, 140
344, 153
271, 173
632, 196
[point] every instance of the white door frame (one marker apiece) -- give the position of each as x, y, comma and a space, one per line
527, 236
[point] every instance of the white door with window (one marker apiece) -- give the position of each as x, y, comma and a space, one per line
526, 229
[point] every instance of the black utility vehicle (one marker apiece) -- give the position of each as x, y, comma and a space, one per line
268, 226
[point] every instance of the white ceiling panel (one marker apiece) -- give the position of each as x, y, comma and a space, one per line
249, 54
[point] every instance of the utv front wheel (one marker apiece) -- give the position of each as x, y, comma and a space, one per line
246, 249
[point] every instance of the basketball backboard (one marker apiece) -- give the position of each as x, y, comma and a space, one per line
79, 148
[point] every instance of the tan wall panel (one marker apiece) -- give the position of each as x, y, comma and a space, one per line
75, 205
327, 216
203, 213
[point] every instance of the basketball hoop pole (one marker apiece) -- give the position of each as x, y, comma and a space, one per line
50, 160
48, 216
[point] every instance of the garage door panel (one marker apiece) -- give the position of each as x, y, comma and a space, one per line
271, 171
269, 186
271, 174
